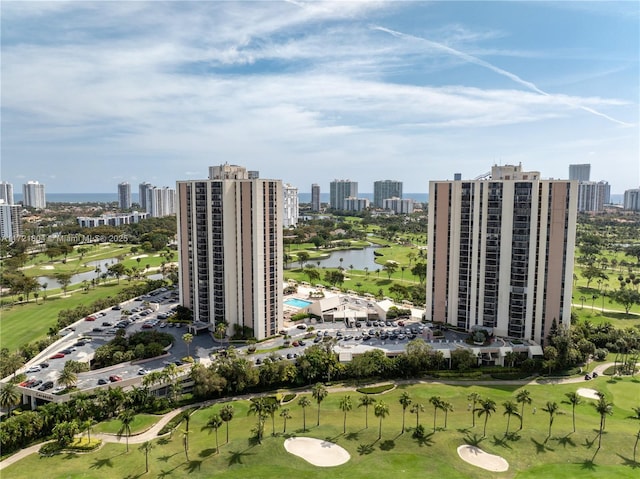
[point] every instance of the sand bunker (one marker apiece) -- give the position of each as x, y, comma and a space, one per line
316, 451
477, 457
588, 393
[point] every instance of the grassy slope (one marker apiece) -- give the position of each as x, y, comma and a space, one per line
395, 455
29, 322
141, 423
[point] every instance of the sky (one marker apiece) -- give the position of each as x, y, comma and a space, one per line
97, 93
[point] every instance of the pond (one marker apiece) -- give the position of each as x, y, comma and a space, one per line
99, 266
358, 258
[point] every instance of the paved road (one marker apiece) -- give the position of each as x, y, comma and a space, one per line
152, 433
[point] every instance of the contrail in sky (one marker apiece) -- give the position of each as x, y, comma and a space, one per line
499, 71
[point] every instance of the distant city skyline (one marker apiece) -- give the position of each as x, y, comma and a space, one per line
99, 93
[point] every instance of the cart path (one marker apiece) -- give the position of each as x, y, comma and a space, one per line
152, 432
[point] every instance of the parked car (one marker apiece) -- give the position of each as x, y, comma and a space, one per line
116, 307
35, 383
587, 377
301, 326
43, 365
45, 386
107, 324
97, 330
594, 375
33, 369
57, 356
90, 318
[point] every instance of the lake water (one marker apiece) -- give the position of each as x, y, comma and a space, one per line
358, 258
101, 265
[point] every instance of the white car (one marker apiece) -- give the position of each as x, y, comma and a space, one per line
33, 369
143, 371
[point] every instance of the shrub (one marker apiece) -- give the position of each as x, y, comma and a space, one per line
288, 398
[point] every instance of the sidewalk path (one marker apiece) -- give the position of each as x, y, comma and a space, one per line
152, 432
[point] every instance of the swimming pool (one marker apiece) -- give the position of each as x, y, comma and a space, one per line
297, 303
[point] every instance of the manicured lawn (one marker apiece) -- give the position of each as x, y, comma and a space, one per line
29, 322
141, 423
529, 452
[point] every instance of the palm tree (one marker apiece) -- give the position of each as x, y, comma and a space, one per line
487, 407
304, 403
272, 407
259, 408
381, 410
67, 378
552, 409
437, 404
345, 405
146, 448
523, 397
474, 397
405, 401
635, 445
604, 408
215, 422
284, 414
226, 414
126, 418
366, 401
416, 409
446, 406
88, 427
573, 399
187, 338
510, 409
319, 392
9, 396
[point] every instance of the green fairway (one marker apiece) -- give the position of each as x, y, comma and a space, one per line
29, 322
141, 423
530, 452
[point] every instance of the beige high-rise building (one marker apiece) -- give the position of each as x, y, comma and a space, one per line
501, 252
230, 250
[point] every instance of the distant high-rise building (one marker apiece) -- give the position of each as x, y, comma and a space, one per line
580, 172
10, 220
230, 250
290, 203
111, 220
33, 195
124, 196
592, 195
6, 192
315, 197
161, 201
339, 190
501, 252
356, 204
384, 189
632, 200
398, 206
143, 194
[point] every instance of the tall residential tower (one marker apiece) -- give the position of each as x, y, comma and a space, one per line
33, 195
339, 191
385, 189
501, 252
315, 197
230, 250
124, 196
